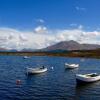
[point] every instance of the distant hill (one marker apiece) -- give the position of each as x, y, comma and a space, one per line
71, 45
3, 49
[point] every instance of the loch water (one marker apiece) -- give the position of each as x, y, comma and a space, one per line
57, 83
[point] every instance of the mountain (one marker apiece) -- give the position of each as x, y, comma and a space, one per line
3, 49
71, 45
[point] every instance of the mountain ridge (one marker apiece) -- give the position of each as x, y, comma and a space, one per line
71, 45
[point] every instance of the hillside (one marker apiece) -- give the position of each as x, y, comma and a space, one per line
71, 45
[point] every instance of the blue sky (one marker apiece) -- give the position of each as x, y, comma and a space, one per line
40, 23
22, 14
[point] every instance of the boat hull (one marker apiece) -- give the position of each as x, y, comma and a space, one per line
36, 71
84, 80
26, 57
71, 66
79, 82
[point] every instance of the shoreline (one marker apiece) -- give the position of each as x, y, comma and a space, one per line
75, 53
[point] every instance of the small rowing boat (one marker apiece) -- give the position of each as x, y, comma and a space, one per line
87, 78
71, 66
36, 70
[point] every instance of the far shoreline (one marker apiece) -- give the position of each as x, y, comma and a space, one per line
73, 53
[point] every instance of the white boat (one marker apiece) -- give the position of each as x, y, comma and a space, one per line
87, 78
25, 57
36, 70
71, 65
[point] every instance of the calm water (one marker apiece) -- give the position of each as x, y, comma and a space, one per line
55, 84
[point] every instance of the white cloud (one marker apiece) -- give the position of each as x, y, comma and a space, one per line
76, 25
40, 29
22, 37
73, 24
80, 8
14, 39
40, 20
80, 27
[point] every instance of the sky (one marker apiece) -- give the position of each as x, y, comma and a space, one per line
35, 24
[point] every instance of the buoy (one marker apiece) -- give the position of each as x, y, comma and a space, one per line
18, 82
